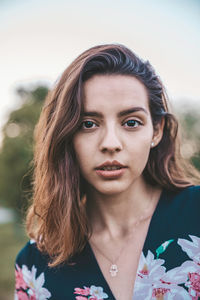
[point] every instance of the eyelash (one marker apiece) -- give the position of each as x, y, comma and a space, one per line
135, 121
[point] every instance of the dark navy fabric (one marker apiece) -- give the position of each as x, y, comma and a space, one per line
176, 216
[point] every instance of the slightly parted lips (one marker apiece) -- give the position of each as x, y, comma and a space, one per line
110, 165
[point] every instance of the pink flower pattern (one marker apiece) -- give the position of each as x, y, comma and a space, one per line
192, 267
85, 291
27, 286
194, 285
20, 283
21, 295
159, 292
94, 293
152, 280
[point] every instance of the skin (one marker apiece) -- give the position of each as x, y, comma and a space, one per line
126, 139
114, 205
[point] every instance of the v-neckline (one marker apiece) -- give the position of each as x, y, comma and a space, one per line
149, 233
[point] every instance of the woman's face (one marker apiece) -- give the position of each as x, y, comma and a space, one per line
113, 144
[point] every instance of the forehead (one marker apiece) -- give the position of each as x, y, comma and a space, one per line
116, 91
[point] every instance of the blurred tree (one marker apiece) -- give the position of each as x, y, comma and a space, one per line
16, 153
189, 118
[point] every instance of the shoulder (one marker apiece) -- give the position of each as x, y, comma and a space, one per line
189, 198
189, 195
30, 255
182, 205
192, 191
30, 274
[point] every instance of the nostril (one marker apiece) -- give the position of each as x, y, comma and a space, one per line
109, 149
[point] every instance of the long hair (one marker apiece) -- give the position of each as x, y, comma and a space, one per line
57, 218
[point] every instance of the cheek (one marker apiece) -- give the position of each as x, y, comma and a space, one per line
140, 149
78, 148
82, 150
140, 142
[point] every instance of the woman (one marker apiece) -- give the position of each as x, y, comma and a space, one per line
115, 213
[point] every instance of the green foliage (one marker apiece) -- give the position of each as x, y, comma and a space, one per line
13, 238
17, 150
190, 120
190, 130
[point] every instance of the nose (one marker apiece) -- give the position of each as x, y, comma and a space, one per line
110, 141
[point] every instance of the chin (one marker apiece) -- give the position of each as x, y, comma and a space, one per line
111, 189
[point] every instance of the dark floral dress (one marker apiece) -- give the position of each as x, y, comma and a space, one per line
169, 265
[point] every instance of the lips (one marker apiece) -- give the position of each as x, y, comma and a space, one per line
110, 166
111, 170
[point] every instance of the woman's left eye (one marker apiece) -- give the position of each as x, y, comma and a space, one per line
132, 123
88, 124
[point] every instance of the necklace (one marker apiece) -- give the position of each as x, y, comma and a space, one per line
114, 269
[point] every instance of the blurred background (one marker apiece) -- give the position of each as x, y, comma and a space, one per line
39, 38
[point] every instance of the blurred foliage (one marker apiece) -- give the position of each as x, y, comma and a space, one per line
16, 153
189, 118
13, 237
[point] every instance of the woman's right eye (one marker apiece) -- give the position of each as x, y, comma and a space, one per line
88, 125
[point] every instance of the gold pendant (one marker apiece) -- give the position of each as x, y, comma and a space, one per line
113, 270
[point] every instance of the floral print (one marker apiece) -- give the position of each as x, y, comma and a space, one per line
191, 248
153, 282
92, 293
163, 247
28, 287
192, 267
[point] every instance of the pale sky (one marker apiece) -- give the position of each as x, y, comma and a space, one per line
39, 38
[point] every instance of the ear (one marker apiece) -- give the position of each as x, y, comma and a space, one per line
158, 133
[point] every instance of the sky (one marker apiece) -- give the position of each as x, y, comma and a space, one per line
39, 39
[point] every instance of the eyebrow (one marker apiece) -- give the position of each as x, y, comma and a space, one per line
120, 114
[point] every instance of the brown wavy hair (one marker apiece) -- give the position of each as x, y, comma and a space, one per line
57, 218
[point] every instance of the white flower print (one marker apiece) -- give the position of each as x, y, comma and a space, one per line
35, 285
153, 282
191, 268
150, 266
191, 248
192, 272
97, 292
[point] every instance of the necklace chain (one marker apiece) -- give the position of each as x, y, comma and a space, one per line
114, 267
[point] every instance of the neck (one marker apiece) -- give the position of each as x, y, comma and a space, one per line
117, 214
